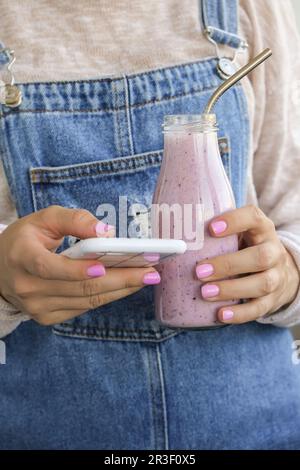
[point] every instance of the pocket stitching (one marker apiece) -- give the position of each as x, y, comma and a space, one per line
141, 335
140, 161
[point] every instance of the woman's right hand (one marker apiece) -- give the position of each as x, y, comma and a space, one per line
52, 288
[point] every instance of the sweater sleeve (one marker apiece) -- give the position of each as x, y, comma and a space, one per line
276, 136
290, 316
10, 316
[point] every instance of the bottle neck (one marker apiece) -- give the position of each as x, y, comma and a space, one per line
190, 123
186, 149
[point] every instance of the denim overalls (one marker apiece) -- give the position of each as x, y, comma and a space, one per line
113, 377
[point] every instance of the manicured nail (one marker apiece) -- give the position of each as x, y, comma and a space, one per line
102, 228
97, 270
151, 278
227, 315
219, 226
204, 270
151, 257
209, 290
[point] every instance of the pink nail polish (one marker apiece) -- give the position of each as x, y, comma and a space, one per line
151, 257
102, 229
227, 315
219, 226
97, 270
204, 270
151, 278
209, 290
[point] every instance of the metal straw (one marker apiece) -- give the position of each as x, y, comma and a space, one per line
236, 77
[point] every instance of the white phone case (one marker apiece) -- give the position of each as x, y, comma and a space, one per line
126, 252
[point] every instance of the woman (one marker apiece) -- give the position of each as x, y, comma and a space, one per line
92, 369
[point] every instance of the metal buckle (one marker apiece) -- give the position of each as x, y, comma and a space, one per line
226, 66
10, 95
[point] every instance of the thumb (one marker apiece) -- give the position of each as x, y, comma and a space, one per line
57, 221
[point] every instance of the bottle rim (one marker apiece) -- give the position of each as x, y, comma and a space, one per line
190, 123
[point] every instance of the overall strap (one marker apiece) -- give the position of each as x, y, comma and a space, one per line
220, 22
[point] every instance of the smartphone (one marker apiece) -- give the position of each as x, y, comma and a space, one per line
126, 252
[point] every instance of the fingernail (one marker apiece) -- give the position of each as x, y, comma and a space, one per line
227, 315
209, 290
219, 226
204, 270
151, 278
151, 257
102, 228
97, 270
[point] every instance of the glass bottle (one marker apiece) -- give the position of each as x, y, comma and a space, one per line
191, 190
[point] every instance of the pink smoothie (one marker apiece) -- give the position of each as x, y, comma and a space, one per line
192, 175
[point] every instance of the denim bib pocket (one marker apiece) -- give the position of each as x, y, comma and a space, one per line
122, 182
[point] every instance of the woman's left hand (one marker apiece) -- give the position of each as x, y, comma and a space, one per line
269, 275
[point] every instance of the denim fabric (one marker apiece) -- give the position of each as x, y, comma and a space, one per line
231, 388
220, 19
113, 377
